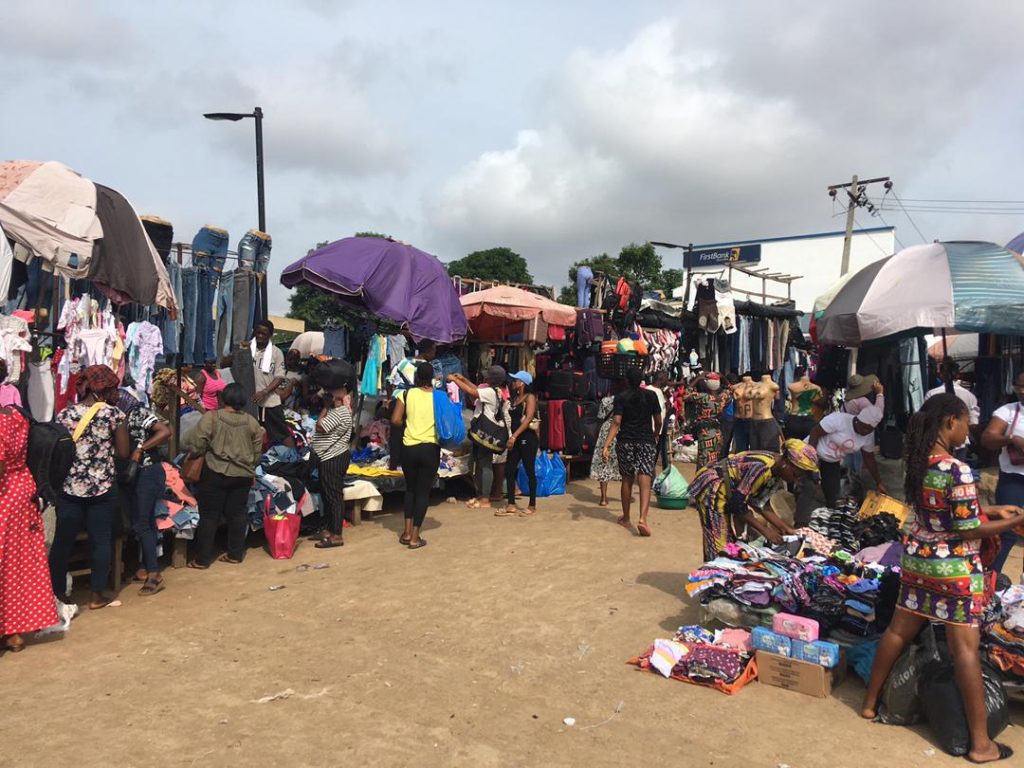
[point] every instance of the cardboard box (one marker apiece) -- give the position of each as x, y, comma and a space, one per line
802, 676
875, 503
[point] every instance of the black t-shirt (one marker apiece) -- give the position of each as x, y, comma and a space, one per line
637, 407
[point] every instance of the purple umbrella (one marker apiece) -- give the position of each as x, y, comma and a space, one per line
1017, 244
389, 279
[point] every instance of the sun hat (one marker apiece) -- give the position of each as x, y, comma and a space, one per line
859, 386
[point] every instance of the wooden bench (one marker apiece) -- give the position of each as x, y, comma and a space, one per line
116, 560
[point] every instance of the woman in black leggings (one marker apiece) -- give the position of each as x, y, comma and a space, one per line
522, 443
421, 454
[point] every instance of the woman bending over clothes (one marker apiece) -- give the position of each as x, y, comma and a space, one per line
942, 577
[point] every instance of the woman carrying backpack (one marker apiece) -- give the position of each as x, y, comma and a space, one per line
89, 495
421, 453
26, 598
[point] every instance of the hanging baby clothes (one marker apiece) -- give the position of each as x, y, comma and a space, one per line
13, 342
145, 342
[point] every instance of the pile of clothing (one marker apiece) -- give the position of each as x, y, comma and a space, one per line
1003, 638
717, 658
178, 508
852, 600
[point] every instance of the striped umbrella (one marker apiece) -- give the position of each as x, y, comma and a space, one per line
963, 286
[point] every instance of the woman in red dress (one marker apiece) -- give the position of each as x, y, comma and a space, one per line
26, 597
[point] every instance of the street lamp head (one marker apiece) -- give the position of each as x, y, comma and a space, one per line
232, 116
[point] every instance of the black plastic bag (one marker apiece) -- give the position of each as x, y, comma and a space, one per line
333, 374
899, 703
944, 709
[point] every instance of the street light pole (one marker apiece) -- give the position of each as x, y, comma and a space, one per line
257, 115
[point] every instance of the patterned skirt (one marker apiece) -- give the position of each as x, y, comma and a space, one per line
710, 501
709, 445
942, 579
636, 458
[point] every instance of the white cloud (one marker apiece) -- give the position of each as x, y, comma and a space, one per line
708, 127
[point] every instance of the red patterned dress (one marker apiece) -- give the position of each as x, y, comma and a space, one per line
26, 597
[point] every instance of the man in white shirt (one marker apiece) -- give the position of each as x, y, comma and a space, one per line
839, 435
965, 395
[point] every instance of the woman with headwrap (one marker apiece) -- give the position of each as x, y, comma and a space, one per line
726, 494
89, 494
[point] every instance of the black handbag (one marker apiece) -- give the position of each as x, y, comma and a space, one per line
488, 433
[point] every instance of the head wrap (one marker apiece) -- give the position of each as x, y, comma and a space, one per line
126, 400
872, 416
801, 455
96, 380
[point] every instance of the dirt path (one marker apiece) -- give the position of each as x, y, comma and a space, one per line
469, 652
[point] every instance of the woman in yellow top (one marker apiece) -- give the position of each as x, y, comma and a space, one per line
421, 454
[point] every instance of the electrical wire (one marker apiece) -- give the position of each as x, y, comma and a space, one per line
858, 226
909, 217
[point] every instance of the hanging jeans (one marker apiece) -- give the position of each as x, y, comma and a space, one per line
207, 294
149, 488
189, 300
334, 342
225, 313
210, 248
168, 327
254, 250
97, 514
1010, 490
241, 325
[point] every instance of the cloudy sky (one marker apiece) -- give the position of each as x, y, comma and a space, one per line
560, 130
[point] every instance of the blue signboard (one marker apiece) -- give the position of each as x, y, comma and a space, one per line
720, 257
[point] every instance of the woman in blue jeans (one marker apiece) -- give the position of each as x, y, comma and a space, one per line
146, 433
89, 494
1005, 433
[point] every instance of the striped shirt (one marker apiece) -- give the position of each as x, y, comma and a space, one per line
334, 440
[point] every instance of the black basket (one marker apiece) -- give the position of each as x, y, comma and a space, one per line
615, 365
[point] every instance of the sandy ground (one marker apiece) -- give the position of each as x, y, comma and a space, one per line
469, 652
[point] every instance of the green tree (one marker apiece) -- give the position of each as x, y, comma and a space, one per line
670, 280
501, 264
640, 263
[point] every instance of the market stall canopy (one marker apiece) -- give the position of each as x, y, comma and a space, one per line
956, 286
309, 343
963, 346
500, 311
82, 229
389, 279
1017, 244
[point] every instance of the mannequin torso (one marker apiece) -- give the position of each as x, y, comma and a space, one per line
763, 394
744, 398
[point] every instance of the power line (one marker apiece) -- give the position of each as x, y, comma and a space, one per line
884, 252
951, 200
964, 211
909, 217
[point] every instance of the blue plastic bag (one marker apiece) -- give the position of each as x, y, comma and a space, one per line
451, 429
550, 475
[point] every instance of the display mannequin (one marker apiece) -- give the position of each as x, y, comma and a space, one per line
765, 433
806, 401
744, 412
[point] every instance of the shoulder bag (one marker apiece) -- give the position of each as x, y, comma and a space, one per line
1015, 454
192, 466
490, 434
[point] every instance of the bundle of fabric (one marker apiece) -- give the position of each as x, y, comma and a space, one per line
838, 525
719, 659
1004, 633
877, 529
747, 585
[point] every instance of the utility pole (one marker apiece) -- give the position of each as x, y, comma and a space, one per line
856, 198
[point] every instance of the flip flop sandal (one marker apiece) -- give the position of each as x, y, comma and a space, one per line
403, 540
527, 512
643, 530
1005, 753
473, 504
504, 512
226, 558
152, 587
107, 603
197, 566
13, 647
328, 544
419, 544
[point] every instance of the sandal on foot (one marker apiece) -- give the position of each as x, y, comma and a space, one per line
328, 543
643, 529
419, 544
94, 606
195, 564
473, 504
506, 512
1005, 753
403, 540
318, 536
226, 558
16, 646
152, 586
528, 512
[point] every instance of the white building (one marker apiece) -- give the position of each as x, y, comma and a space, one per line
815, 259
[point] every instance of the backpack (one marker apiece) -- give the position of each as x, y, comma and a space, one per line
51, 452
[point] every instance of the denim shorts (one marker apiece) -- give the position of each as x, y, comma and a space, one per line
210, 248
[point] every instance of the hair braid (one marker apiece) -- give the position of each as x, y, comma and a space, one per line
922, 433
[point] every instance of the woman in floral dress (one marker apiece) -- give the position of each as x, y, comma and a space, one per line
26, 600
605, 471
708, 421
942, 577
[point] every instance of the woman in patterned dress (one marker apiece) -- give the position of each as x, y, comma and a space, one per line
26, 600
728, 492
605, 471
942, 575
707, 423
